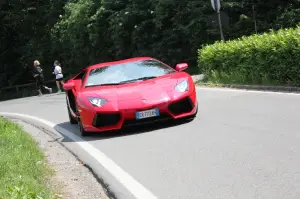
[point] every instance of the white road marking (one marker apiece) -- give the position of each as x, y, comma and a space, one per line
244, 90
138, 190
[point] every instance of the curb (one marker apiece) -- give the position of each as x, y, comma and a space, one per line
254, 87
288, 89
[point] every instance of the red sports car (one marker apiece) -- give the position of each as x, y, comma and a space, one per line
112, 95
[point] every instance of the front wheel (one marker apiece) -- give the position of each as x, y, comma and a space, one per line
71, 118
81, 129
79, 123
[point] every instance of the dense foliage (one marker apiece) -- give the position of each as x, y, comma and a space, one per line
83, 32
259, 59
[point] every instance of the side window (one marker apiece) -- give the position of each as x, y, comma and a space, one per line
81, 76
79, 79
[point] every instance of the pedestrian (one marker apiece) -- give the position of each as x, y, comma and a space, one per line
58, 75
38, 75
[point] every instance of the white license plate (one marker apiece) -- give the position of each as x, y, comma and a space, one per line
148, 113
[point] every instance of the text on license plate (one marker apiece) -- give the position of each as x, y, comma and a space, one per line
147, 113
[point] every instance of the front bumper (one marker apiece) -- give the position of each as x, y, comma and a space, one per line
98, 121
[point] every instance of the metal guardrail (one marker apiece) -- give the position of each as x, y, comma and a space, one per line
32, 84
22, 85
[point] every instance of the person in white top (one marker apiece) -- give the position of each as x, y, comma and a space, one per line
58, 75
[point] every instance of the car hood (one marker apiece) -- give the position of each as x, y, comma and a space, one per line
149, 89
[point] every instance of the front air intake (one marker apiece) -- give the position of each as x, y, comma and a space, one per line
107, 119
182, 106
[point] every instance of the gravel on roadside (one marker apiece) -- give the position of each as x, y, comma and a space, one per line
71, 178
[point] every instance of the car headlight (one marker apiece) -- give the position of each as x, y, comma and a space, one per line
98, 102
182, 86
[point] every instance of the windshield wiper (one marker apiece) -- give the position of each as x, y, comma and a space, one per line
123, 82
108, 84
138, 79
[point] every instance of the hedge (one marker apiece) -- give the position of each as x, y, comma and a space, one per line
270, 57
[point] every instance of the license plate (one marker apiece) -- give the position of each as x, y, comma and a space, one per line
147, 113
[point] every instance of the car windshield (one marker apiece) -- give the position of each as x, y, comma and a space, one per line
127, 73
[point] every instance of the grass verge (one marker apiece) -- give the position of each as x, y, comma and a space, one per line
23, 168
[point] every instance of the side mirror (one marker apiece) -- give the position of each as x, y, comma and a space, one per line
181, 66
69, 85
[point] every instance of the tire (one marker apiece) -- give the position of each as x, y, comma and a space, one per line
83, 133
71, 119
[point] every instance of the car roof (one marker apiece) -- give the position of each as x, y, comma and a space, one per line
119, 62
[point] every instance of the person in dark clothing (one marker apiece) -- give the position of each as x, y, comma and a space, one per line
38, 75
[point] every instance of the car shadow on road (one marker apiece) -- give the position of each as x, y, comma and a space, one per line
128, 131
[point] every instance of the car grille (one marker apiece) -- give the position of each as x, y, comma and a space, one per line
161, 117
107, 119
184, 105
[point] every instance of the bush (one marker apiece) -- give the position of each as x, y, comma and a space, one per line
270, 58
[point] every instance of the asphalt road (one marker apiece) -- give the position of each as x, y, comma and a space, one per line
241, 145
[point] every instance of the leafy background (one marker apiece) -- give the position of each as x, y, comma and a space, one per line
93, 31
271, 58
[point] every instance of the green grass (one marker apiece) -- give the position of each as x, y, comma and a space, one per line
23, 168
